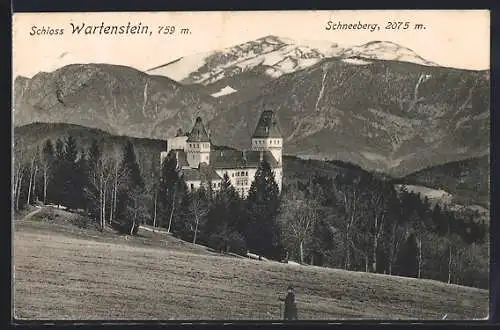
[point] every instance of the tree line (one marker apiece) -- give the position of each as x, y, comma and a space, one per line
353, 220
105, 185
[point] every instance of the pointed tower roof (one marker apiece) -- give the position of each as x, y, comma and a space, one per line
198, 133
267, 126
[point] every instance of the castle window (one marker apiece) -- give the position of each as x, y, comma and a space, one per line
218, 184
192, 186
232, 174
237, 173
246, 173
214, 185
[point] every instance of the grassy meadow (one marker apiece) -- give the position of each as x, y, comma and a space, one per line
62, 271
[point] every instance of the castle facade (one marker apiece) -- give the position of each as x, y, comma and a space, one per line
201, 163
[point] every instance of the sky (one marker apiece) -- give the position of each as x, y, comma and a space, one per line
459, 38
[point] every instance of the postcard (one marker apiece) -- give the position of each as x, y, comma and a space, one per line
251, 165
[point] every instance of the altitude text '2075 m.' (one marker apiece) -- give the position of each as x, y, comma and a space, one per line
336, 25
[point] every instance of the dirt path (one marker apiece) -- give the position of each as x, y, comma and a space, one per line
32, 213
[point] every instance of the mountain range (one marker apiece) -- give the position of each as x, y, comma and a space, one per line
378, 105
236, 73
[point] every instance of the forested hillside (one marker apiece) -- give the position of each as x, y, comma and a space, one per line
329, 213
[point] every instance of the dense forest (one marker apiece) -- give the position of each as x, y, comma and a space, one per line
350, 219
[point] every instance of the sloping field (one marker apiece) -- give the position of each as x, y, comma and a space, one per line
64, 274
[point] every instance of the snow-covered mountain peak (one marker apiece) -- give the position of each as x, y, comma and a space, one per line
386, 50
272, 39
275, 56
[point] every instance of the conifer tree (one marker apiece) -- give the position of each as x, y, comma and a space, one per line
224, 218
69, 172
169, 191
59, 178
70, 149
47, 164
132, 209
92, 189
262, 232
130, 162
59, 149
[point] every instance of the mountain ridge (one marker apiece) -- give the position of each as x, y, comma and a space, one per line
389, 116
212, 66
116, 98
402, 101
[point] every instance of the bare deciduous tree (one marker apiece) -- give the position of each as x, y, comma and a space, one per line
297, 218
19, 168
119, 176
198, 208
377, 208
32, 176
101, 173
350, 197
46, 163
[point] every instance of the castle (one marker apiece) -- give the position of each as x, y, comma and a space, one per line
201, 163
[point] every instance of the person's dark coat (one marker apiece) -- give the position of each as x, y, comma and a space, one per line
290, 312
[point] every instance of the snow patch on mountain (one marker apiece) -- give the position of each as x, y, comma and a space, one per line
430, 193
386, 50
356, 61
180, 68
224, 91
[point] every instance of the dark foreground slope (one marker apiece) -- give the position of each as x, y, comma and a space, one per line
61, 275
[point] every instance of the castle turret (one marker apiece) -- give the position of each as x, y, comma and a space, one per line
198, 145
267, 135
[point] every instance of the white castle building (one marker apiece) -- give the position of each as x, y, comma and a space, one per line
202, 163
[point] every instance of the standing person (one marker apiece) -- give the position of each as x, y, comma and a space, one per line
290, 312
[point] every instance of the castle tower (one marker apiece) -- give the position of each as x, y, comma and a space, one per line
198, 145
267, 135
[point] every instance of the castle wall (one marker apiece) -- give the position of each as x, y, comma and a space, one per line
274, 145
178, 142
196, 184
198, 152
241, 179
163, 155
